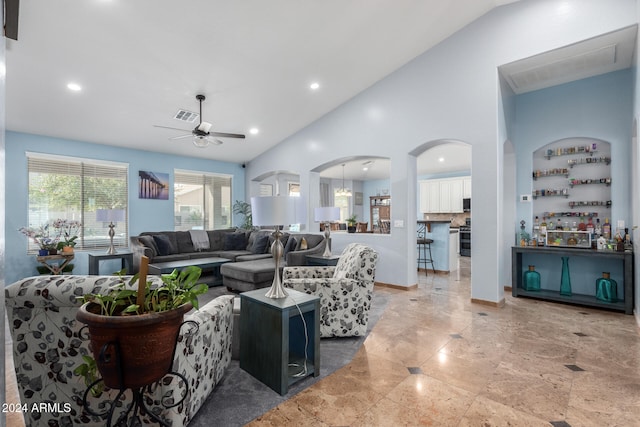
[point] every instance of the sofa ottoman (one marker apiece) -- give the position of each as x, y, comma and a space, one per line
247, 276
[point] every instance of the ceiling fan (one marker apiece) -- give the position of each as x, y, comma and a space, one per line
201, 134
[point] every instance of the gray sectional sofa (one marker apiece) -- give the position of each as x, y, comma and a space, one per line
252, 267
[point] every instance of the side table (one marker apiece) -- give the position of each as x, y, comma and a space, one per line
274, 340
55, 263
320, 260
95, 258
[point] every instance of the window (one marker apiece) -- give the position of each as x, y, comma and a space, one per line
76, 189
201, 201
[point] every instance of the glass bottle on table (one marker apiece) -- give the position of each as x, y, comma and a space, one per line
582, 226
559, 225
606, 229
598, 228
590, 227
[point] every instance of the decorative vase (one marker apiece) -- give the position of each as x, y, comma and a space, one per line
531, 279
606, 288
43, 252
132, 351
565, 280
53, 252
67, 250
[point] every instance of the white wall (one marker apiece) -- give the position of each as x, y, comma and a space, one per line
449, 92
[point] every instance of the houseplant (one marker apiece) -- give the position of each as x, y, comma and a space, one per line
351, 223
66, 233
133, 332
244, 209
41, 236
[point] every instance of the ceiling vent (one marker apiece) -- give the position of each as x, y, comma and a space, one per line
186, 116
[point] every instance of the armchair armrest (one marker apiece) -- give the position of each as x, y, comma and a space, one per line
299, 258
139, 250
307, 272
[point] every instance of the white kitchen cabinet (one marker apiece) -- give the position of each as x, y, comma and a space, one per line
441, 195
466, 187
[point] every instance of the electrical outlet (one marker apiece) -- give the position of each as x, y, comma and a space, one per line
525, 198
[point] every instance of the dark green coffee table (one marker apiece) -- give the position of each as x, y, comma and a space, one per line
211, 264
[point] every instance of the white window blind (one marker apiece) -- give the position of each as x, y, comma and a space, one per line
76, 189
201, 201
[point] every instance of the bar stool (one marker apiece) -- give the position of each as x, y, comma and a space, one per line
424, 246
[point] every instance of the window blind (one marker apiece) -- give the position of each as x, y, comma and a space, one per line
202, 201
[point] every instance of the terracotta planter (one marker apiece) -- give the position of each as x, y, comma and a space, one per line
67, 250
138, 348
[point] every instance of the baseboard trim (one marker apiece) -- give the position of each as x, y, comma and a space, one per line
508, 288
400, 287
428, 270
494, 304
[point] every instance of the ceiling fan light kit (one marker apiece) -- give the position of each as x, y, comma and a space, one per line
201, 135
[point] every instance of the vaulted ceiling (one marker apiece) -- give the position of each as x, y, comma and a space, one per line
139, 62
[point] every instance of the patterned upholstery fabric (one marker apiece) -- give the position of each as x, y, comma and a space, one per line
48, 346
344, 301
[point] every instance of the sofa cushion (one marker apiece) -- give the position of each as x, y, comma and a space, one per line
252, 257
185, 244
235, 242
232, 255
150, 243
290, 246
164, 244
260, 244
252, 272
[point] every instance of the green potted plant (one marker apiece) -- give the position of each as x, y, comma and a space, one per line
351, 223
244, 209
133, 332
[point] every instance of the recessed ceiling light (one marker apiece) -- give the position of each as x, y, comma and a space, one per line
253, 131
314, 86
441, 159
74, 87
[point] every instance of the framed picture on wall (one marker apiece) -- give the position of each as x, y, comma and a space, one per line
153, 185
357, 198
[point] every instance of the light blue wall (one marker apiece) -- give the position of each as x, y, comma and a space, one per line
599, 107
450, 92
144, 214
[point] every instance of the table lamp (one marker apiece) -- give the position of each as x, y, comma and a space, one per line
112, 216
326, 215
277, 211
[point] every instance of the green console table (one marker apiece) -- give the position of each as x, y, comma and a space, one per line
273, 342
594, 257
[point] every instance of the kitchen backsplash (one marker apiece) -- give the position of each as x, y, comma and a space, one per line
457, 219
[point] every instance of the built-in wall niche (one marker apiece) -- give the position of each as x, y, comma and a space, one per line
572, 181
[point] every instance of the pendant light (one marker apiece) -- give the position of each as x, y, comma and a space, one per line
343, 191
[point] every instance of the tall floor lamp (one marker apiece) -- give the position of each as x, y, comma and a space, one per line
111, 216
277, 211
326, 215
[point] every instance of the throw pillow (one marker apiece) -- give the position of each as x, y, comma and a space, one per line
290, 246
303, 244
164, 244
149, 243
235, 242
259, 244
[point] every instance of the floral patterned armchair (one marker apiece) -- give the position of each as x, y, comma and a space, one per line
345, 291
48, 346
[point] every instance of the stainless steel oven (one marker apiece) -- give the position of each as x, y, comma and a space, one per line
465, 239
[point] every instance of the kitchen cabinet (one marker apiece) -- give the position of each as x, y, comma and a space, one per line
380, 214
466, 187
441, 195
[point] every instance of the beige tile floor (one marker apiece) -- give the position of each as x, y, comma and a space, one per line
436, 359
475, 365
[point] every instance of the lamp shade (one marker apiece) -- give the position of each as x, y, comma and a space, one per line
278, 210
110, 215
326, 214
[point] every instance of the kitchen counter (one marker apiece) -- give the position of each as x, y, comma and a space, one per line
441, 234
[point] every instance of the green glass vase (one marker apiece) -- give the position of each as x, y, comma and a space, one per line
531, 279
606, 288
565, 279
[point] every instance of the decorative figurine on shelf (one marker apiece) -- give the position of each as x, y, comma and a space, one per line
524, 236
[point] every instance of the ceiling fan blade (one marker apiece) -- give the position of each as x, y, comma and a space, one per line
226, 135
181, 137
215, 141
167, 127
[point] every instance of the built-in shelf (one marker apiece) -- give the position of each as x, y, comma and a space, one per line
573, 182
589, 160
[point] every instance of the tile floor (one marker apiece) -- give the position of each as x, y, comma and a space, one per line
435, 359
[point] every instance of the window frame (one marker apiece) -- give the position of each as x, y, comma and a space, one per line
179, 225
